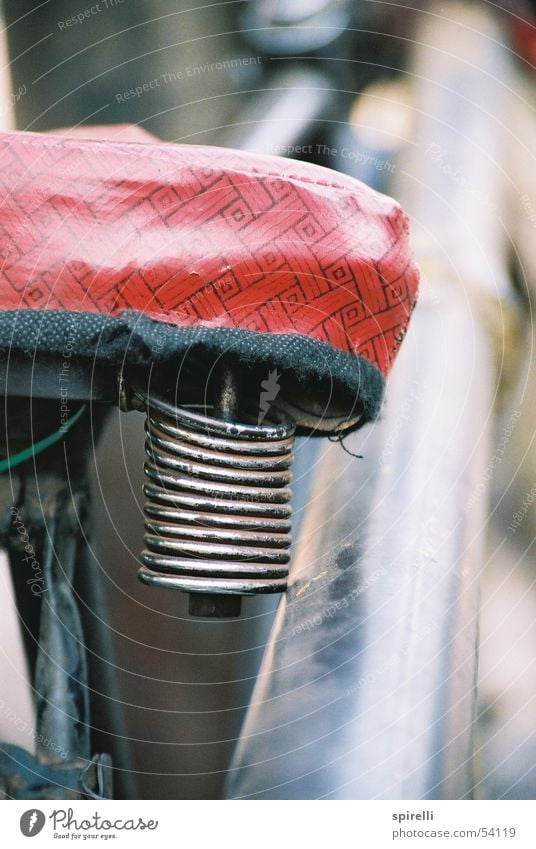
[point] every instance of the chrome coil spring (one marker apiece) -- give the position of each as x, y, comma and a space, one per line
218, 509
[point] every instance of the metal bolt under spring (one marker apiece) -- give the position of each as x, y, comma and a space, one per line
218, 510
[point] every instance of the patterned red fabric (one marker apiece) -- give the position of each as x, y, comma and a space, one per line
203, 236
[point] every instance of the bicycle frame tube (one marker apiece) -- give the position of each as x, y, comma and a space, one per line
367, 688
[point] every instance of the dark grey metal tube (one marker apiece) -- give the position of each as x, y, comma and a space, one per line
62, 701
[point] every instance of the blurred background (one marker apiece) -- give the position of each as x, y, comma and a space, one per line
339, 80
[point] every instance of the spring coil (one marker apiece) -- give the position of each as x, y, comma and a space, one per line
218, 511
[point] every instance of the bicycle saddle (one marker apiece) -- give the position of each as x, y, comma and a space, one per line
139, 252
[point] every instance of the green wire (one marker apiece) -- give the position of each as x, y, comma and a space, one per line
40, 446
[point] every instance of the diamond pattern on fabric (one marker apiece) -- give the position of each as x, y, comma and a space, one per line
203, 237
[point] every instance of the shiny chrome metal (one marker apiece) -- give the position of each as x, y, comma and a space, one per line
282, 27
367, 688
218, 511
289, 28
281, 115
368, 683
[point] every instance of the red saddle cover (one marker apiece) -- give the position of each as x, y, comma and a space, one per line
203, 236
